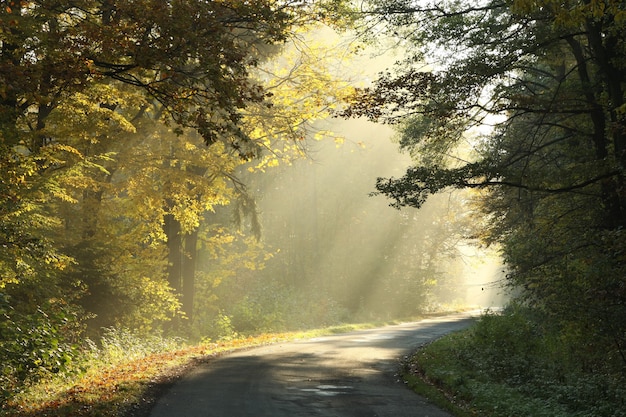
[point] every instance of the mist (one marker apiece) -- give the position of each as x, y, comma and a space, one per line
339, 253
335, 253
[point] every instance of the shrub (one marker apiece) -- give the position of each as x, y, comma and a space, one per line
511, 364
33, 344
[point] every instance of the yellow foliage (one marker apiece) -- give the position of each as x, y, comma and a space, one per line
573, 14
305, 86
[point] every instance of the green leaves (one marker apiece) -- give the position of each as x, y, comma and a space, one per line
34, 343
514, 363
105, 112
542, 87
420, 182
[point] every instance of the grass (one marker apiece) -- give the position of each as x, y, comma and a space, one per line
439, 374
435, 394
429, 373
501, 367
118, 375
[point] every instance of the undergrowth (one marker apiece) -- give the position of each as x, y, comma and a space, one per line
508, 365
112, 376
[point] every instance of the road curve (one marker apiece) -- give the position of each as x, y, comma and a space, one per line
352, 374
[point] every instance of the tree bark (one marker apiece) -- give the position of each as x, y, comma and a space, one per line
603, 47
189, 273
175, 253
610, 195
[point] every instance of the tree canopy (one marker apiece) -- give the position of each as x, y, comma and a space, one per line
541, 86
127, 128
121, 126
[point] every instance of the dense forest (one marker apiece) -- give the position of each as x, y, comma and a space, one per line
183, 168
122, 127
163, 173
548, 78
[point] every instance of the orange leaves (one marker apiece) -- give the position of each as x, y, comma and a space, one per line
103, 391
9, 7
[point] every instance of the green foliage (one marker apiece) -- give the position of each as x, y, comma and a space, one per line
545, 85
86, 113
104, 120
85, 41
512, 364
39, 323
278, 308
220, 328
265, 307
510, 344
35, 342
24, 221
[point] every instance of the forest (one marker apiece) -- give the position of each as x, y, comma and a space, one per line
210, 169
548, 78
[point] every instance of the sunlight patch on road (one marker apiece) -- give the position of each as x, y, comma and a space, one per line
369, 338
326, 390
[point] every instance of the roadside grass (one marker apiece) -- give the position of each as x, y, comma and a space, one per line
451, 385
114, 377
502, 367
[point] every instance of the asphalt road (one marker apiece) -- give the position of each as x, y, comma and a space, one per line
352, 374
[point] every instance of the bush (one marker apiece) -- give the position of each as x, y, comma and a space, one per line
33, 344
220, 328
282, 309
507, 346
510, 364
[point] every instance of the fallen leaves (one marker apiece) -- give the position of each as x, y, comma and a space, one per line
105, 391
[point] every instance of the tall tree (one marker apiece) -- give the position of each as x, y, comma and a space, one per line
103, 67
54, 52
105, 110
550, 79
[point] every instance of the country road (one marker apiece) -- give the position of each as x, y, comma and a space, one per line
352, 374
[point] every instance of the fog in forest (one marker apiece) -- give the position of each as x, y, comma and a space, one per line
333, 252
338, 253
320, 211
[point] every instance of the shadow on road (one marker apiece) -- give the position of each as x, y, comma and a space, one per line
351, 374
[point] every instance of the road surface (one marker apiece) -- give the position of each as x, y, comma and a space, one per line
352, 374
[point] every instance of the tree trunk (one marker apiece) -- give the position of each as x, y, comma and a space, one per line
189, 273
613, 205
175, 253
604, 49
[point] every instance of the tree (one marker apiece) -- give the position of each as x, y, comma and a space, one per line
54, 52
76, 79
550, 79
